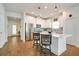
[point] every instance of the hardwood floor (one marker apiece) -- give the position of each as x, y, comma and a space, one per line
15, 47
71, 51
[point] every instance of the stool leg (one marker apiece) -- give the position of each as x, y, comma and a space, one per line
50, 50
33, 43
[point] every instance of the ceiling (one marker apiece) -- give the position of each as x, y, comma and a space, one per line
46, 9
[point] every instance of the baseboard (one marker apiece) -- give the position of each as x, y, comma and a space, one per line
76, 45
2, 44
13, 36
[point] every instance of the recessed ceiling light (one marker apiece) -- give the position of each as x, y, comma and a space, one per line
55, 6
64, 13
70, 15
32, 12
38, 7
45, 7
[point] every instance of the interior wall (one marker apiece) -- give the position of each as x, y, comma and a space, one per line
13, 14
76, 26
72, 27
23, 27
3, 26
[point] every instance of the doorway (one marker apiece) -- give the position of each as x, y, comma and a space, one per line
14, 29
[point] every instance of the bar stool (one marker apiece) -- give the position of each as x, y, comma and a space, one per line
36, 39
45, 43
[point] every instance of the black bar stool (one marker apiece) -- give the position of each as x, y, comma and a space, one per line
36, 39
45, 43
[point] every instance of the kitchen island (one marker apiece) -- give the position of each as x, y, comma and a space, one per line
58, 45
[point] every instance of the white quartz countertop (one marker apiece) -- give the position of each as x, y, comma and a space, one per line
61, 35
56, 34
46, 33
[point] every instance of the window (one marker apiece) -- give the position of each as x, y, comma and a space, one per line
13, 29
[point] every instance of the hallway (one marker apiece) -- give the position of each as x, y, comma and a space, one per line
15, 47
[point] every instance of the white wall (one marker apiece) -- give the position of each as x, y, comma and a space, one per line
23, 28
13, 14
76, 26
77, 33
3, 26
72, 27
